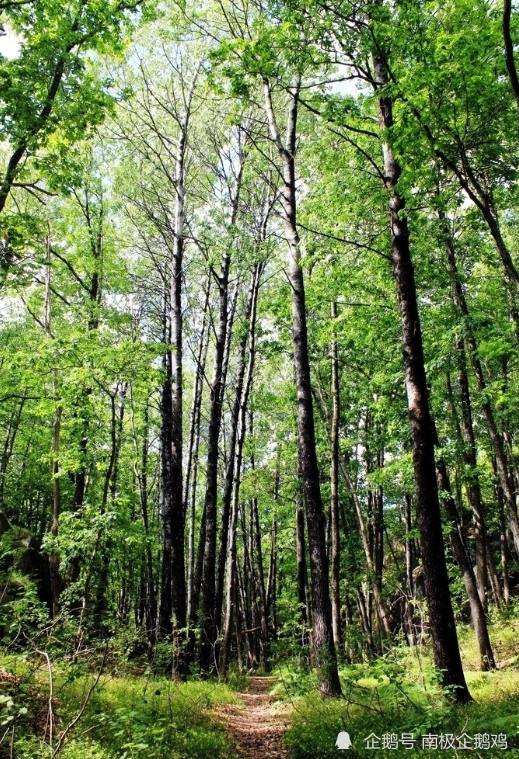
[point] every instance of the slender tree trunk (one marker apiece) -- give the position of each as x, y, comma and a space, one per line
335, 563
164, 626
244, 576
173, 605
150, 616
208, 639
466, 428
321, 604
505, 555
471, 475
443, 629
196, 405
193, 578
409, 569
197, 577
368, 644
240, 420
12, 431
377, 517
110, 490
244, 613
230, 593
92, 565
54, 558
210, 578
231, 451
495, 586
272, 576
461, 554
496, 438
381, 607
95, 228
373, 550
261, 594
409, 558
509, 52
302, 576
175, 511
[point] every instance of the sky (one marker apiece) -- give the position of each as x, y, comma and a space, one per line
9, 44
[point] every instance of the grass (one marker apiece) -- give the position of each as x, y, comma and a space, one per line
125, 718
399, 694
137, 716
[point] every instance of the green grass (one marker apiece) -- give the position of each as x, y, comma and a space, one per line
126, 718
137, 716
399, 694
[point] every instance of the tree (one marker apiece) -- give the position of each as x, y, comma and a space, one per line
51, 94
321, 604
282, 196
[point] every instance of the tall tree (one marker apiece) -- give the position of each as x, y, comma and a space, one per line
321, 604
445, 643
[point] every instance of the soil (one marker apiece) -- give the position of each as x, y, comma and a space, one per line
257, 724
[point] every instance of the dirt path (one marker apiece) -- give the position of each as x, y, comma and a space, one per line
257, 725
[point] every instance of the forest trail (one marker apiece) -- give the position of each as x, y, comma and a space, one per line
258, 723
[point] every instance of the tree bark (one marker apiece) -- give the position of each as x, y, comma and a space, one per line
302, 574
325, 652
231, 450
334, 490
409, 570
208, 632
240, 420
273, 572
150, 616
443, 629
54, 558
505, 554
260, 592
461, 555
173, 604
471, 475
193, 578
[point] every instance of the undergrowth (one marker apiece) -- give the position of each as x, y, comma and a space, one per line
135, 715
124, 718
398, 696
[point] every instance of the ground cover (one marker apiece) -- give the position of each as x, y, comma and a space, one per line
394, 707
113, 709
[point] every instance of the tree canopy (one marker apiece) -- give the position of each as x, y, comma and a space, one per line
260, 328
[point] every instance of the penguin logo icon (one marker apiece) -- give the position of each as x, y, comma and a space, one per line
343, 741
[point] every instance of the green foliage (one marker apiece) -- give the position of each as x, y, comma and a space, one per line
295, 679
9, 711
84, 326
21, 610
398, 694
123, 718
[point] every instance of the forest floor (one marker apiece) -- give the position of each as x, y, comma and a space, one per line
256, 724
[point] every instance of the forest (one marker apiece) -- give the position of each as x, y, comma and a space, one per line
259, 378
